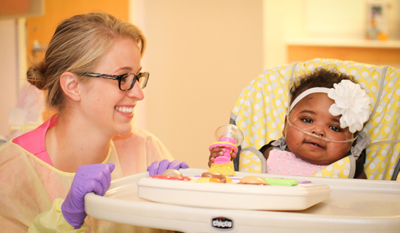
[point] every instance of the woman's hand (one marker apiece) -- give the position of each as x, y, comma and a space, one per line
218, 151
88, 178
156, 168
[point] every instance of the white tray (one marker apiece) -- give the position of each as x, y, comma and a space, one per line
353, 206
232, 195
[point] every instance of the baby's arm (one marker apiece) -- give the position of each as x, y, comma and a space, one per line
218, 151
361, 176
266, 153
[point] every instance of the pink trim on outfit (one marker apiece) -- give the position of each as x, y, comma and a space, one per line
286, 163
35, 140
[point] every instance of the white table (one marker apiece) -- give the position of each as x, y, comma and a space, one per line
353, 206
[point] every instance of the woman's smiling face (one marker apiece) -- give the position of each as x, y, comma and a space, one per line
312, 115
107, 107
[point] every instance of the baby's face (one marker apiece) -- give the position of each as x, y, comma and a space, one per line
312, 115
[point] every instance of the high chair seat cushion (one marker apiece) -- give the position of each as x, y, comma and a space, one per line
260, 109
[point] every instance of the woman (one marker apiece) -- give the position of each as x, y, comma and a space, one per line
93, 78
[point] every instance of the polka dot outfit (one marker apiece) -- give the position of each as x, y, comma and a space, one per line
260, 110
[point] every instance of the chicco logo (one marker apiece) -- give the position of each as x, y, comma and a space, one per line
222, 223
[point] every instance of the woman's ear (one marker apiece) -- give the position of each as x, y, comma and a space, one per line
69, 83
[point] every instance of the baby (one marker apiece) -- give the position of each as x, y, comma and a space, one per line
326, 115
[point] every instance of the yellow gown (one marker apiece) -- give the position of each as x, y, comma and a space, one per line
32, 191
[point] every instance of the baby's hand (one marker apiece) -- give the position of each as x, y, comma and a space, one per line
218, 151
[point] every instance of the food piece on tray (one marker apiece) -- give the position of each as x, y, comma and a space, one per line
171, 174
214, 178
202, 180
223, 168
281, 182
184, 178
254, 180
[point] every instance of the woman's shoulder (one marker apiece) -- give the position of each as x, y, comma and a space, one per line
9, 151
34, 140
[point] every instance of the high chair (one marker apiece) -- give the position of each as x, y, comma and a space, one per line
260, 110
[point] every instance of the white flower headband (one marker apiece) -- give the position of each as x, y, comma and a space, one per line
351, 101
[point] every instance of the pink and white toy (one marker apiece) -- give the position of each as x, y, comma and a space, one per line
228, 136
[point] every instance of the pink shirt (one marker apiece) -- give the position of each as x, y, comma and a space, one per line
282, 162
34, 141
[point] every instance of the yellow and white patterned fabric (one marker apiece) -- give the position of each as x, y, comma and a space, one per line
260, 109
251, 160
343, 168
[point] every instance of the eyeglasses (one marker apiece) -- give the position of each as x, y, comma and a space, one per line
125, 81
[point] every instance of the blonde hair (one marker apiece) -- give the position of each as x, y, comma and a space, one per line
76, 46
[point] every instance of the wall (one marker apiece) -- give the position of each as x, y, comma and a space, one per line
325, 19
281, 19
9, 71
200, 55
346, 19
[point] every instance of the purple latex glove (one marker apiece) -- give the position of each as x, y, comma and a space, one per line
156, 168
88, 178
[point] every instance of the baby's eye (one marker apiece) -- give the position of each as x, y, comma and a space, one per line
336, 129
307, 120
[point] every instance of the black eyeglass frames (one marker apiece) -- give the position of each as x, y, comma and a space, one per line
125, 81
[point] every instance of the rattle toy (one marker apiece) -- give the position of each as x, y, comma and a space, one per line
228, 136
